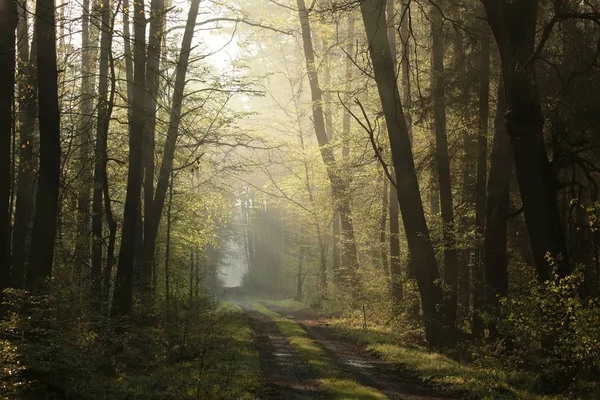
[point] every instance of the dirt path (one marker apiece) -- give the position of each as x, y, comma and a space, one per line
286, 375
362, 366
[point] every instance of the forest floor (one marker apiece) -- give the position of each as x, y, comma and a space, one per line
301, 357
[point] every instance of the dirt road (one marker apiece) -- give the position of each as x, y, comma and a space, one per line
288, 376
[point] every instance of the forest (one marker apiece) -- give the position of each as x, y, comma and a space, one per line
275, 199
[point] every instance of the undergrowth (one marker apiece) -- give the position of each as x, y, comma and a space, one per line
50, 349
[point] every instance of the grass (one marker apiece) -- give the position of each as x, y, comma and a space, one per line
435, 368
226, 368
329, 376
287, 303
439, 370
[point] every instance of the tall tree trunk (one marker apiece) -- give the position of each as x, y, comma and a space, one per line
299, 273
157, 18
514, 27
100, 155
82, 238
168, 250
443, 165
383, 224
45, 219
497, 209
27, 116
166, 166
413, 216
338, 185
123, 293
8, 25
484, 95
395, 266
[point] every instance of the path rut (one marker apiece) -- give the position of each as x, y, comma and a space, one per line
364, 367
285, 374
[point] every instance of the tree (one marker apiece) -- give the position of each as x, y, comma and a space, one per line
411, 207
100, 153
443, 164
123, 294
8, 25
338, 184
495, 260
82, 241
46, 211
25, 174
514, 26
480, 200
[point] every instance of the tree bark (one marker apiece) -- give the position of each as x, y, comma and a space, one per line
168, 250
480, 189
395, 266
82, 238
45, 219
27, 164
101, 158
123, 293
497, 210
413, 216
443, 166
152, 81
514, 27
153, 221
338, 185
8, 26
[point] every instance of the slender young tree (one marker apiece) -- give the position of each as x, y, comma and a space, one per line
395, 266
497, 209
100, 152
338, 185
153, 220
443, 164
480, 199
82, 240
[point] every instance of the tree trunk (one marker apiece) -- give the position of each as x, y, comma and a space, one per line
168, 250
166, 167
413, 216
395, 266
45, 219
8, 25
82, 238
123, 293
338, 185
27, 164
514, 27
100, 156
484, 95
497, 209
152, 81
382, 225
443, 166
299, 273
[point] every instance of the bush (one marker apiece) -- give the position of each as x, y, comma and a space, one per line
554, 328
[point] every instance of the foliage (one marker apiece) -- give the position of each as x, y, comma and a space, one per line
553, 329
202, 352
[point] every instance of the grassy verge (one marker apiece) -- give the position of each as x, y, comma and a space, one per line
224, 366
331, 378
485, 383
